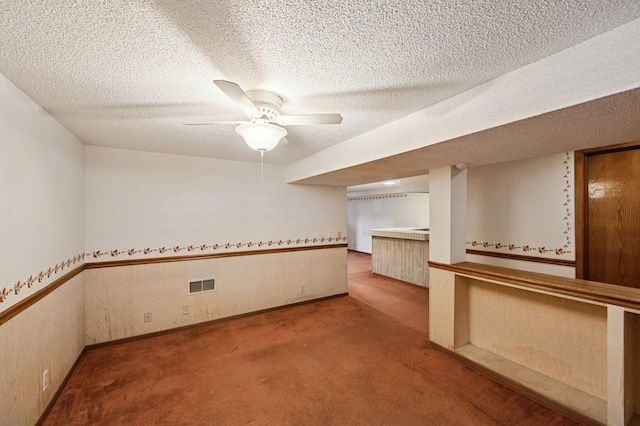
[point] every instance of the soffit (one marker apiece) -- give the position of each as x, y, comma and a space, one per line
605, 121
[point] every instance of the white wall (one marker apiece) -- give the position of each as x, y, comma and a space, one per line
138, 200
41, 196
384, 211
148, 205
523, 207
41, 227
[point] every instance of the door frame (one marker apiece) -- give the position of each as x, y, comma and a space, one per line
580, 196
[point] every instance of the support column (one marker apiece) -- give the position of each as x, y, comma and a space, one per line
448, 294
619, 367
447, 215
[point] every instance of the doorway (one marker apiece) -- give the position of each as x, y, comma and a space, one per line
608, 214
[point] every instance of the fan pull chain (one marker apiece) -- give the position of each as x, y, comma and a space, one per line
262, 164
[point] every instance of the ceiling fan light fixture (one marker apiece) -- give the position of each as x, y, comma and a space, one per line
261, 136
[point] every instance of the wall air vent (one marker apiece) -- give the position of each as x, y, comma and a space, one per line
201, 286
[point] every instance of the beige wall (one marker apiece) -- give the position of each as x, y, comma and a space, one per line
580, 353
47, 336
118, 297
544, 333
104, 304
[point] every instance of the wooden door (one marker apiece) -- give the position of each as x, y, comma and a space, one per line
611, 216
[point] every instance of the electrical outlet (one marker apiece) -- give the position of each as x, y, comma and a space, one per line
301, 289
185, 309
147, 317
45, 380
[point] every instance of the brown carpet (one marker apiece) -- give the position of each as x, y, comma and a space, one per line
361, 359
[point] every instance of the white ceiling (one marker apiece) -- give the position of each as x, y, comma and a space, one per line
128, 74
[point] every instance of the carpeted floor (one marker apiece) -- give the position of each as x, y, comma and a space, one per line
361, 359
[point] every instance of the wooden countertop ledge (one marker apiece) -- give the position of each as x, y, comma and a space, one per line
627, 297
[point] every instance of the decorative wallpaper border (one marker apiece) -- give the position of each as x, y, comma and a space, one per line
206, 247
114, 263
375, 197
528, 248
513, 256
14, 290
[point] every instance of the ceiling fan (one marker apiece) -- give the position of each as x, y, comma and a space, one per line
264, 128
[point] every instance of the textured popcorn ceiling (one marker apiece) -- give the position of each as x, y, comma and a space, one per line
128, 74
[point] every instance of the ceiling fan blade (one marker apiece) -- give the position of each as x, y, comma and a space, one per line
211, 123
303, 119
237, 95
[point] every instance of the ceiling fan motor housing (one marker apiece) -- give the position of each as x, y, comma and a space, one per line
268, 104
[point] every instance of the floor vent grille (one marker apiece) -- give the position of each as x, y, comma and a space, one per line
201, 286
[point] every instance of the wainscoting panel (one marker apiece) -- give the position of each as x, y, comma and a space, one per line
570, 342
48, 335
544, 333
117, 298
